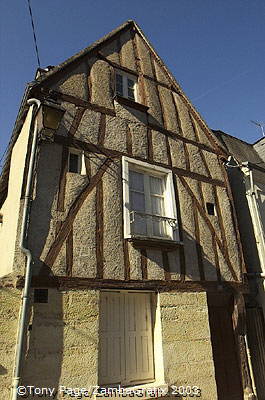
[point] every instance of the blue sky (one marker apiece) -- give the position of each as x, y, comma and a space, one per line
215, 49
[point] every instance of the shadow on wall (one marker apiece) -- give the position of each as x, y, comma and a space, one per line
44, 345
10, 300
249, 245
62, 342
3, 370
47, 180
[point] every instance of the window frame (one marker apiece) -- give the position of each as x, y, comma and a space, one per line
125, 76
169, 198
81, 161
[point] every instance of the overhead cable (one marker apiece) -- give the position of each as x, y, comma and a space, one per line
34, 34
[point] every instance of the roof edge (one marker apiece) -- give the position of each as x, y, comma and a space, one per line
84, 52
234, 137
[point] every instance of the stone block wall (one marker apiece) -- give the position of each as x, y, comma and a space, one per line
61, 347
63, 341
9, 311
188, 358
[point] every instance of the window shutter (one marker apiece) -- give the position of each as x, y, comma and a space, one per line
112, 338
138, 338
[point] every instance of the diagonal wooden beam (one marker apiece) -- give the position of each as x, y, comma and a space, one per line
76, 122
68, 222
62, 181
209, 224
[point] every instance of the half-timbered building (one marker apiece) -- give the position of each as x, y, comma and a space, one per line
137, 269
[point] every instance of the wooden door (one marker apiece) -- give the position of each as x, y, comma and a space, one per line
111, 338
138, 338
227, 370
126, 338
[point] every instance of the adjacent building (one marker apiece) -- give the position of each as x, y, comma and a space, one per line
246, 171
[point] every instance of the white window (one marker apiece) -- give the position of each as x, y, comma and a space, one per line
126, 338
126, 85
76, 162
149, 201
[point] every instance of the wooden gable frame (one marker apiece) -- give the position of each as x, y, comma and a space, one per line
64, 227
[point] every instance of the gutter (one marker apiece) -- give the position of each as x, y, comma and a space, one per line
24, 226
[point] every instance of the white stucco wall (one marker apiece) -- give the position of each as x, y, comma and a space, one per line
11, 206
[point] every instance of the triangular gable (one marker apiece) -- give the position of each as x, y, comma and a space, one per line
128, 48
165, 76
88, 50
125, 47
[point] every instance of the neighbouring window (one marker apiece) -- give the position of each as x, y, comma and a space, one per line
126, 85
149, 201
126, 338
76, 162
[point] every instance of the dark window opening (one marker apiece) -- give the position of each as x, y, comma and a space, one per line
210, 208
74, 163
119, 84
40, 295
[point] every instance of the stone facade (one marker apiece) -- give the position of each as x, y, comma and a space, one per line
62, 341
187, 346
9, 313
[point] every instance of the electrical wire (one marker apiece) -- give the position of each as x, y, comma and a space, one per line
3, 155
34, 34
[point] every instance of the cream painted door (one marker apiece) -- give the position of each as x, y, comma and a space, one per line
126, 338
139, 363
111, 338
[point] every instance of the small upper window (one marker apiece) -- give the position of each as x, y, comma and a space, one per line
126, 85
149, 208
210, 208
76, 162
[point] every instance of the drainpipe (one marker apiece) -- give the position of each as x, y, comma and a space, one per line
26, 292
252, 395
